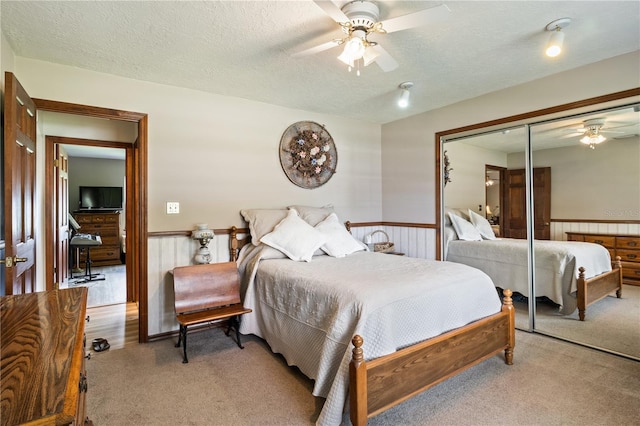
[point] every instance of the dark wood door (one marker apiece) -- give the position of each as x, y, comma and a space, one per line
542, 203
61, 269
515, 212
19, 188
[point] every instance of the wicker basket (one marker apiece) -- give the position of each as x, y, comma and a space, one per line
383, 247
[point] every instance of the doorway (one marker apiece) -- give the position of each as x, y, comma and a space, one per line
136, 199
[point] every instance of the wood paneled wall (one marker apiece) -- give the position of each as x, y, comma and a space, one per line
559, 229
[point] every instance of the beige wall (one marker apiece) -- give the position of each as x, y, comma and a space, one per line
215, 154
467, 188
600, 184
408, 145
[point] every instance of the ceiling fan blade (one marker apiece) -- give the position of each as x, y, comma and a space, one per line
313, 50
423, 17
331, 9
384, 60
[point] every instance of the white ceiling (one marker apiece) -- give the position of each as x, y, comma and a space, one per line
243, 48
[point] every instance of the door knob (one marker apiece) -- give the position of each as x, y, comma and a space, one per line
10, 261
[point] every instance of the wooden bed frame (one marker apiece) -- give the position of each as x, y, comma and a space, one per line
593, 289
381, 383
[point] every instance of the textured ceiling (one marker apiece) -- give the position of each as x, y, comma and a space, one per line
245, 48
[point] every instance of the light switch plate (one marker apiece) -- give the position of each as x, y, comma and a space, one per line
173, 207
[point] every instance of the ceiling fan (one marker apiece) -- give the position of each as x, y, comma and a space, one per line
592, 132
358, 20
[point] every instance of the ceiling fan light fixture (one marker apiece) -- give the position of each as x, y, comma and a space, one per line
592, 139
354, 48
370, 55
403, 100
556, 40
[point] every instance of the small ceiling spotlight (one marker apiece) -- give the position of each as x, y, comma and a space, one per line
403, 100
554, 47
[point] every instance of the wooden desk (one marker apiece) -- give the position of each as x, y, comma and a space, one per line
42, 369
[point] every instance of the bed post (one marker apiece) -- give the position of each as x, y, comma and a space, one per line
618, 264
507, 306
582, 293
358, 384
233, 243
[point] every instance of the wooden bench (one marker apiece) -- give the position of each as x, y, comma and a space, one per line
207, 293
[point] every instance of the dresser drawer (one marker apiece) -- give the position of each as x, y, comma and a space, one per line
631, 273
628, 242
103, 253
629, 255
608, 241
99, 229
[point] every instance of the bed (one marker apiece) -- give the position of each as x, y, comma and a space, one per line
571, 274
371, 329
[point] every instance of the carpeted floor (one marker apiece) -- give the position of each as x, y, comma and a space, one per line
551, 383
610, 323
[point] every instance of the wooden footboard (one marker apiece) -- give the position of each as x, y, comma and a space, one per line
379, 384
593, 289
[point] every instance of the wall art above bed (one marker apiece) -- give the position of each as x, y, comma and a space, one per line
308, 155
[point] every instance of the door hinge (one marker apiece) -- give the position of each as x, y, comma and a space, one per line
56, 163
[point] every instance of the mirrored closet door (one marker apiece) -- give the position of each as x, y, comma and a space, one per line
568, 191
593, 161
488, 180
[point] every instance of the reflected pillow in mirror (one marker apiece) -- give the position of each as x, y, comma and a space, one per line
482, 225
465, 230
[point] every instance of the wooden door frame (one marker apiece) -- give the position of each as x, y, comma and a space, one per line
136, 216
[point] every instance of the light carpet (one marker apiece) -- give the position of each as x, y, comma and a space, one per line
551, 383
610, 323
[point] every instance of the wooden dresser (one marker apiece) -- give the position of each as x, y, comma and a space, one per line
44, 380
107, 225
625, 246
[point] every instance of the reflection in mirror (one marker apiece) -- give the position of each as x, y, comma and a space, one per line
594, 176
477, 194
585, 209
494, 177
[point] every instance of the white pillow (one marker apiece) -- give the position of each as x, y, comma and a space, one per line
295, 238
482, 225
313, 215
339, 241
465, 230
262, 221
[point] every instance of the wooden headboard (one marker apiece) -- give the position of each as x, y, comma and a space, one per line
235, 244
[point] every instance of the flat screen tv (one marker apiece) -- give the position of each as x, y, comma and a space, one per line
101, 197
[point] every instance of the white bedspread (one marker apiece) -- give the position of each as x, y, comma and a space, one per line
309, 312
557, 263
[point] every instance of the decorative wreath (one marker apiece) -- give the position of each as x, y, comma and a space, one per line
308, 155
447, 169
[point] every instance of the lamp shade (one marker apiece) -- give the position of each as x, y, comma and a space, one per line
593, 139
353, 50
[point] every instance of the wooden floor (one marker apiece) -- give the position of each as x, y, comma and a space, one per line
116, 323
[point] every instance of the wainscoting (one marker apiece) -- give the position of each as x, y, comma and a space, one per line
559, 229
168, 251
